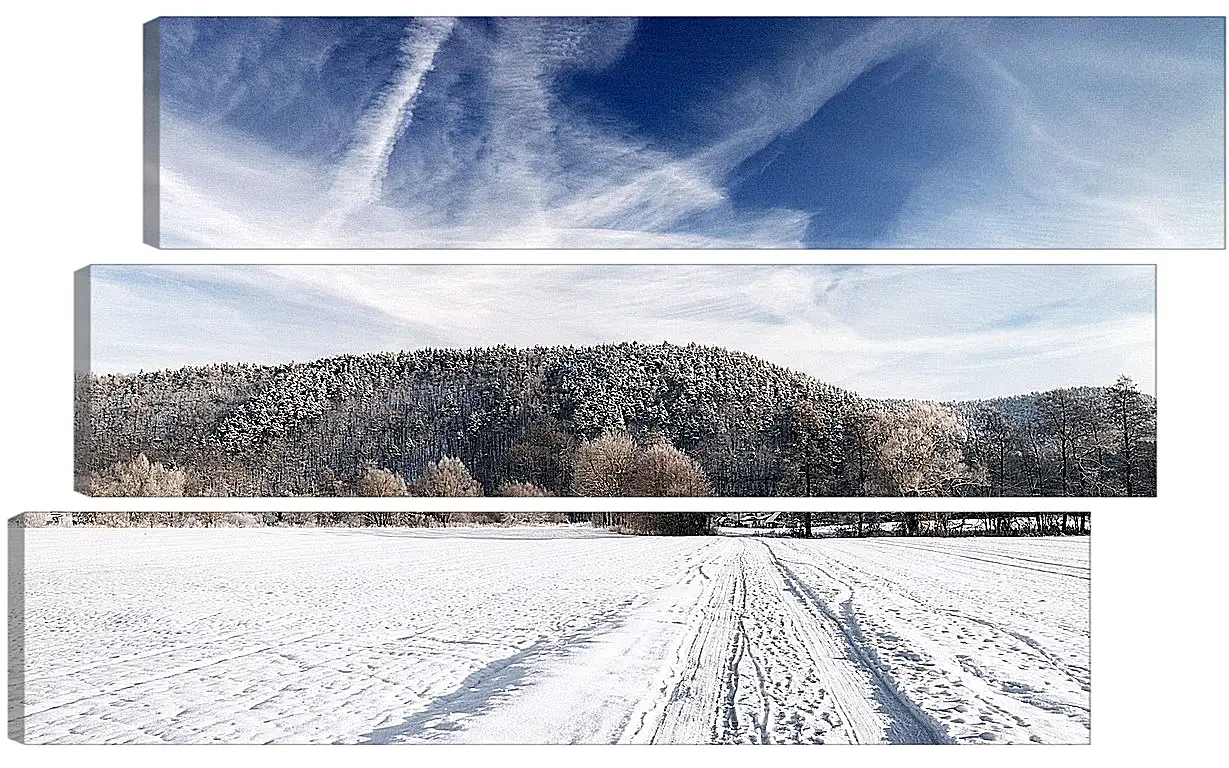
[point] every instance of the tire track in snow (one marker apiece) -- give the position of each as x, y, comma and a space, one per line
879, 573
976, 678
730, 722
139, 656
745, 693
384, 656
687, 695
762, 661
992, 553
901, 545
794, 679
908, 723
665, 641
69, 701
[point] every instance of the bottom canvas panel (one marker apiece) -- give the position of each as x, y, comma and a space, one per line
676, 628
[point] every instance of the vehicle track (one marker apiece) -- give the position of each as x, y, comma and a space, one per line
893, 578
687, 695
746, 706
973, 672
759, 664
907, 723
941, 551
722, 640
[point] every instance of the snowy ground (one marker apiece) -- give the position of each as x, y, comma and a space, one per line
550, 635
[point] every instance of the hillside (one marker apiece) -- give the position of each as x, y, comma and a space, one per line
510, 415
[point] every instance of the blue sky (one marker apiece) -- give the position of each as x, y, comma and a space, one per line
939, 332
845, 132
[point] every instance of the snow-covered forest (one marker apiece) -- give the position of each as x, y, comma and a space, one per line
615, 420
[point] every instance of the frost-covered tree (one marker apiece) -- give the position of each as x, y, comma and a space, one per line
859, 450
603, 466
446, 477
380, 482
920, 452
543, 455
139, 477
522, 489
663, 470
385, 519
519, 415
811, 450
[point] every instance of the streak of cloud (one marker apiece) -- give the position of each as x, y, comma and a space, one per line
361, 175
475, 133
941, 332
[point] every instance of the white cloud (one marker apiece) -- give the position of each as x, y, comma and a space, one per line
360, 177
541, 176
1104, 143
1109, 144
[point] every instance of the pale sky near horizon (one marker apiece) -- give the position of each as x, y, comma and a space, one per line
924, 331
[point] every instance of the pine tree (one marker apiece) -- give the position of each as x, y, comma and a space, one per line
1134, 421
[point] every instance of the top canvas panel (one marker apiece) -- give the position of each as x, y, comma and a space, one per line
685, 132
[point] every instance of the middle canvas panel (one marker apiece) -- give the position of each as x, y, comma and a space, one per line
616, 380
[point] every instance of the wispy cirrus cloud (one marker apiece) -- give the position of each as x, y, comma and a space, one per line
1124, 154
942, 332
359, 178
521, 132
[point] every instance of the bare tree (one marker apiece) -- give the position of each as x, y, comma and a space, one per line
1134, 420
139, 477
1065, 418
380, 482
603, 466
663, 470
446, 477
998, 435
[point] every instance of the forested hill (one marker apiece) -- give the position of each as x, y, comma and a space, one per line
512, 416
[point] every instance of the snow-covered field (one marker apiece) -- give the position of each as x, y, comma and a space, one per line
548, 635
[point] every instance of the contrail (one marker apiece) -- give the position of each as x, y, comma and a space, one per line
361, 173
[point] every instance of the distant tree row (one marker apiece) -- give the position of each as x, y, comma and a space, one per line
610, 465
612, 420
289, 519
941, 524
656, 523
802, 524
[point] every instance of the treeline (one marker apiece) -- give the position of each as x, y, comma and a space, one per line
612, 420
289, 519
1081, 441
801, 524
654, 523
941, 524
853, 524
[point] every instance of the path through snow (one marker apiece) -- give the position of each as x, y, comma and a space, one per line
548, 635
